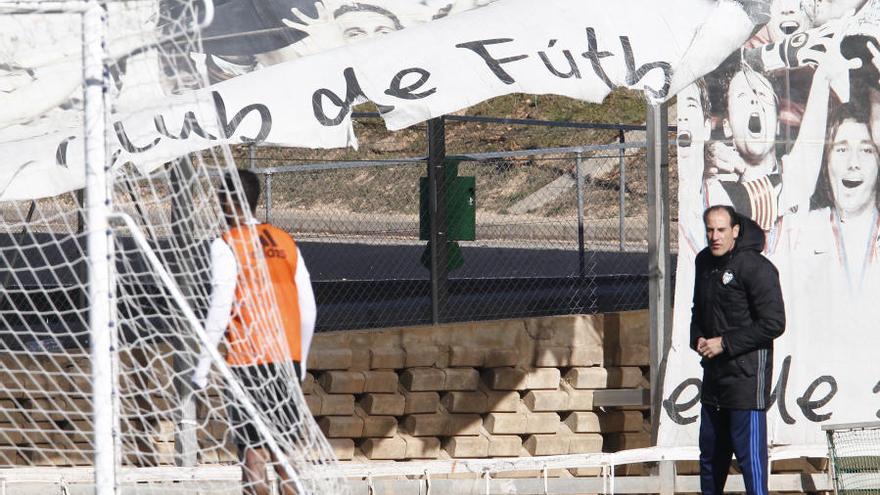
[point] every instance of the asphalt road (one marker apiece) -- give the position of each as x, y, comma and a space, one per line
361, 285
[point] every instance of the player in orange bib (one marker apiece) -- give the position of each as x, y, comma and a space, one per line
262, 299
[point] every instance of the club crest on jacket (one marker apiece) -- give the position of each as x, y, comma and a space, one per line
727, 277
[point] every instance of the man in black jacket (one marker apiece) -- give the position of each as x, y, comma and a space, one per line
737, 312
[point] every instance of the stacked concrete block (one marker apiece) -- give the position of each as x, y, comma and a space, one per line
332, 404
465, 402
622, 421
343, 448
624, 429
423, 379
627, 339
466, 356
387, 358
342, 382
521, 423
381, 381
627, 440
553, 356
383, 404
442, 424
601, 378
384, 448
459, 379
480, 401
497, 358
420, 402
421, 447
421, 356
341, 426
329, 359
483, 445
503, 445
567, 341
467, 446
799, 465
377, 426
583, 422
565, 441
546, 400
522, 379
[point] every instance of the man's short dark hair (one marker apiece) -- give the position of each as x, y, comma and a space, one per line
250, 187
731, 212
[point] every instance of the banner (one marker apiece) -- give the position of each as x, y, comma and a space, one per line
564, 47
787, 131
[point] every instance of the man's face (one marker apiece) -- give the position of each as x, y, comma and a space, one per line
751, 116
852, 168
720, 235
363, 24
786, 18
693, 125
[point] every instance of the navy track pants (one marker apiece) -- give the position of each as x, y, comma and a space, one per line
724, 432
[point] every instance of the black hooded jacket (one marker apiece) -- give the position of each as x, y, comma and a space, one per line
737, 297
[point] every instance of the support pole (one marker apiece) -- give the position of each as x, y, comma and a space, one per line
268, 188
100, 248
579, 177
660, 276
186, 443
437, 211
621, 192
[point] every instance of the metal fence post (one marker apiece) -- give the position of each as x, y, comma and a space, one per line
268, 195
580, 214
185, 439
622, 192
437, 212
659, 275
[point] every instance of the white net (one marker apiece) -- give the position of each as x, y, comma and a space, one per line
854, 450
169, 437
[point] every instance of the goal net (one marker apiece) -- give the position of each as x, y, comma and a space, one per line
167, 436
854, 451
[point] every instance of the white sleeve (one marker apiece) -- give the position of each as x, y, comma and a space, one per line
224, 274
308, 311
793, 198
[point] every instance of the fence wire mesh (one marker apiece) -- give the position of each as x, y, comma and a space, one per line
854, 450
560, 221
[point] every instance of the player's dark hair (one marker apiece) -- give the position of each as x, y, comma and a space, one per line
250, 188
731, 212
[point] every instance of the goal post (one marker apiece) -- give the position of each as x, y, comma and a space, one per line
102, 324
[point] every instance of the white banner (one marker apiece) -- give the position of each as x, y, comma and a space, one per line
572, 48
758, 134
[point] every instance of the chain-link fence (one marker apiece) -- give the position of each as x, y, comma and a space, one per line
542, 218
